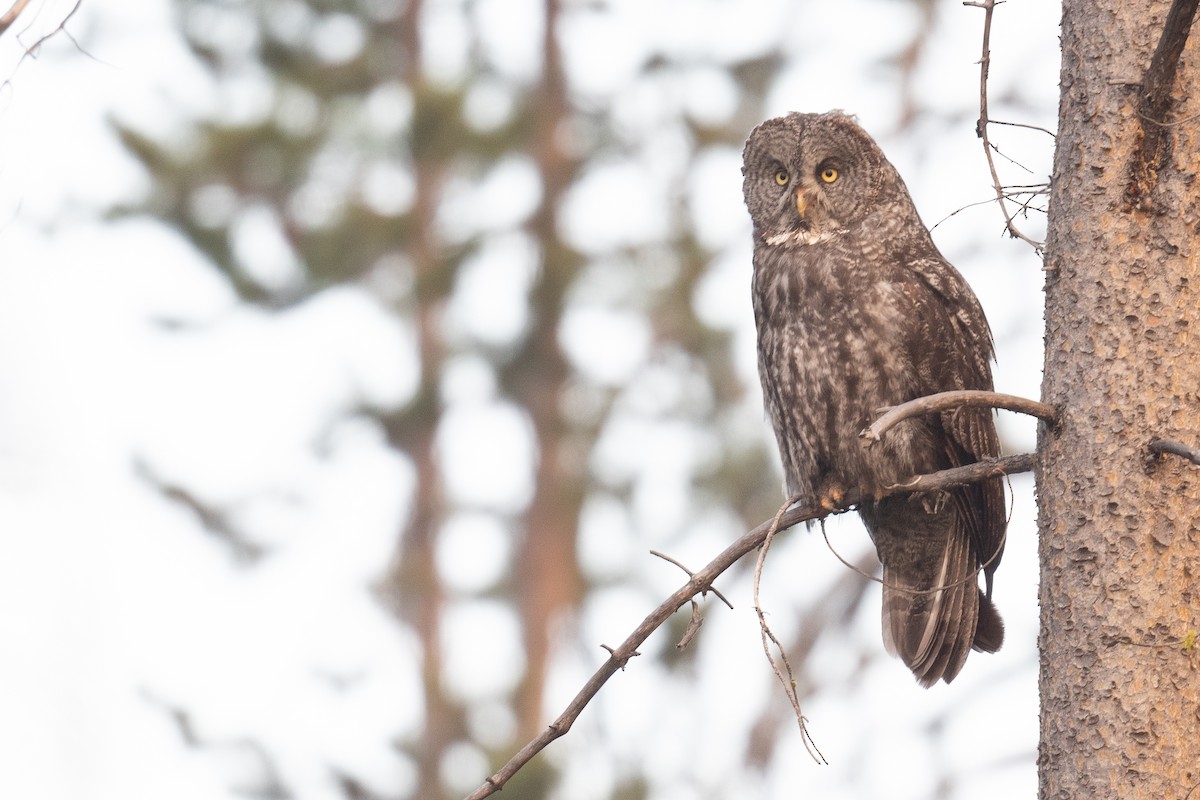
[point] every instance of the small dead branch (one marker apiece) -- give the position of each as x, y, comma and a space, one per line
691, 574
694, 623
622, 658
30, 51
972, 575
11, 15
1024, 125
944, 401
1162, 446
769, 638
1013, 192
1155, 103
702, 581
697, 619
981, 126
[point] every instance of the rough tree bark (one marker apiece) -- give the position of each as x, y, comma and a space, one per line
1120, 526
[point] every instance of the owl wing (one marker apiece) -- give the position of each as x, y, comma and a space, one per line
951, 349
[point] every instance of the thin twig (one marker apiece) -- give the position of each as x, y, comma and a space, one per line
1161, 446
31, 50
60, 28
768, 638
622, 657
702, 581
981, 127
691, 574
996, 149
1174, 123
697, 619
944, 401
1011, 192
1026, 125
915, 592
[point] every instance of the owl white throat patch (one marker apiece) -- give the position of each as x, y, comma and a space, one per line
799, 237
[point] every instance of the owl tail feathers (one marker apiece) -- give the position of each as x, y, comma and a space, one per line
989, 631
933, 629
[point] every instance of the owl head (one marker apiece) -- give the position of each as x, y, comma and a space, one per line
810, 177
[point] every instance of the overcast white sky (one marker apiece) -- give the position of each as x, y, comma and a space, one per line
109, 615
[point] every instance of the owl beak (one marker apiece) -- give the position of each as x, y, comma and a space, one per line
801, 202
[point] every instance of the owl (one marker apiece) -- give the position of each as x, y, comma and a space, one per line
856, 310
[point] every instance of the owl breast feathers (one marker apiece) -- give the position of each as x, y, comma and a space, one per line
857, 310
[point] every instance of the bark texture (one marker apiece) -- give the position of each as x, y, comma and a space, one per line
1119, 526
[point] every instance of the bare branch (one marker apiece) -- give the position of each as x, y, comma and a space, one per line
31, 51
702, 581
690, 574
1160, 74
981, 126
1025, 125
60, 28
972, 575
943, 401
1155, 102
1162, 446
693, 627
968, 473
1011, 192
11, 15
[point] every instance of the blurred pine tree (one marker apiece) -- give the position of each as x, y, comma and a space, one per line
381, 145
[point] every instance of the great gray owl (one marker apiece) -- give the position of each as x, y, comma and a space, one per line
857, 310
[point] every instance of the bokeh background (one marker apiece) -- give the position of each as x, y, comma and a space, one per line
355, 353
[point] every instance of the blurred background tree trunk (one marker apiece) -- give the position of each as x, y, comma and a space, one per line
1120, 528
414, 585
548, 578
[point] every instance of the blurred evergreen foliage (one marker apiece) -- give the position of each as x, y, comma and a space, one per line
338, 157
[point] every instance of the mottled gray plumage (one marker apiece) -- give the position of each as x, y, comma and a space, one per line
857, 310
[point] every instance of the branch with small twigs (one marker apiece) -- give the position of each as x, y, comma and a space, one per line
701, 582
981, 126
697, 619
9, 17
1021, 194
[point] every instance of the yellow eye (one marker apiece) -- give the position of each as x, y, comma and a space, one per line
781, 178
829, 175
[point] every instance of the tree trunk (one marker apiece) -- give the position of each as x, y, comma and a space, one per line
1120, 536
413, 585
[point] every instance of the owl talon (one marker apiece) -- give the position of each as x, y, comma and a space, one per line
833, 498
